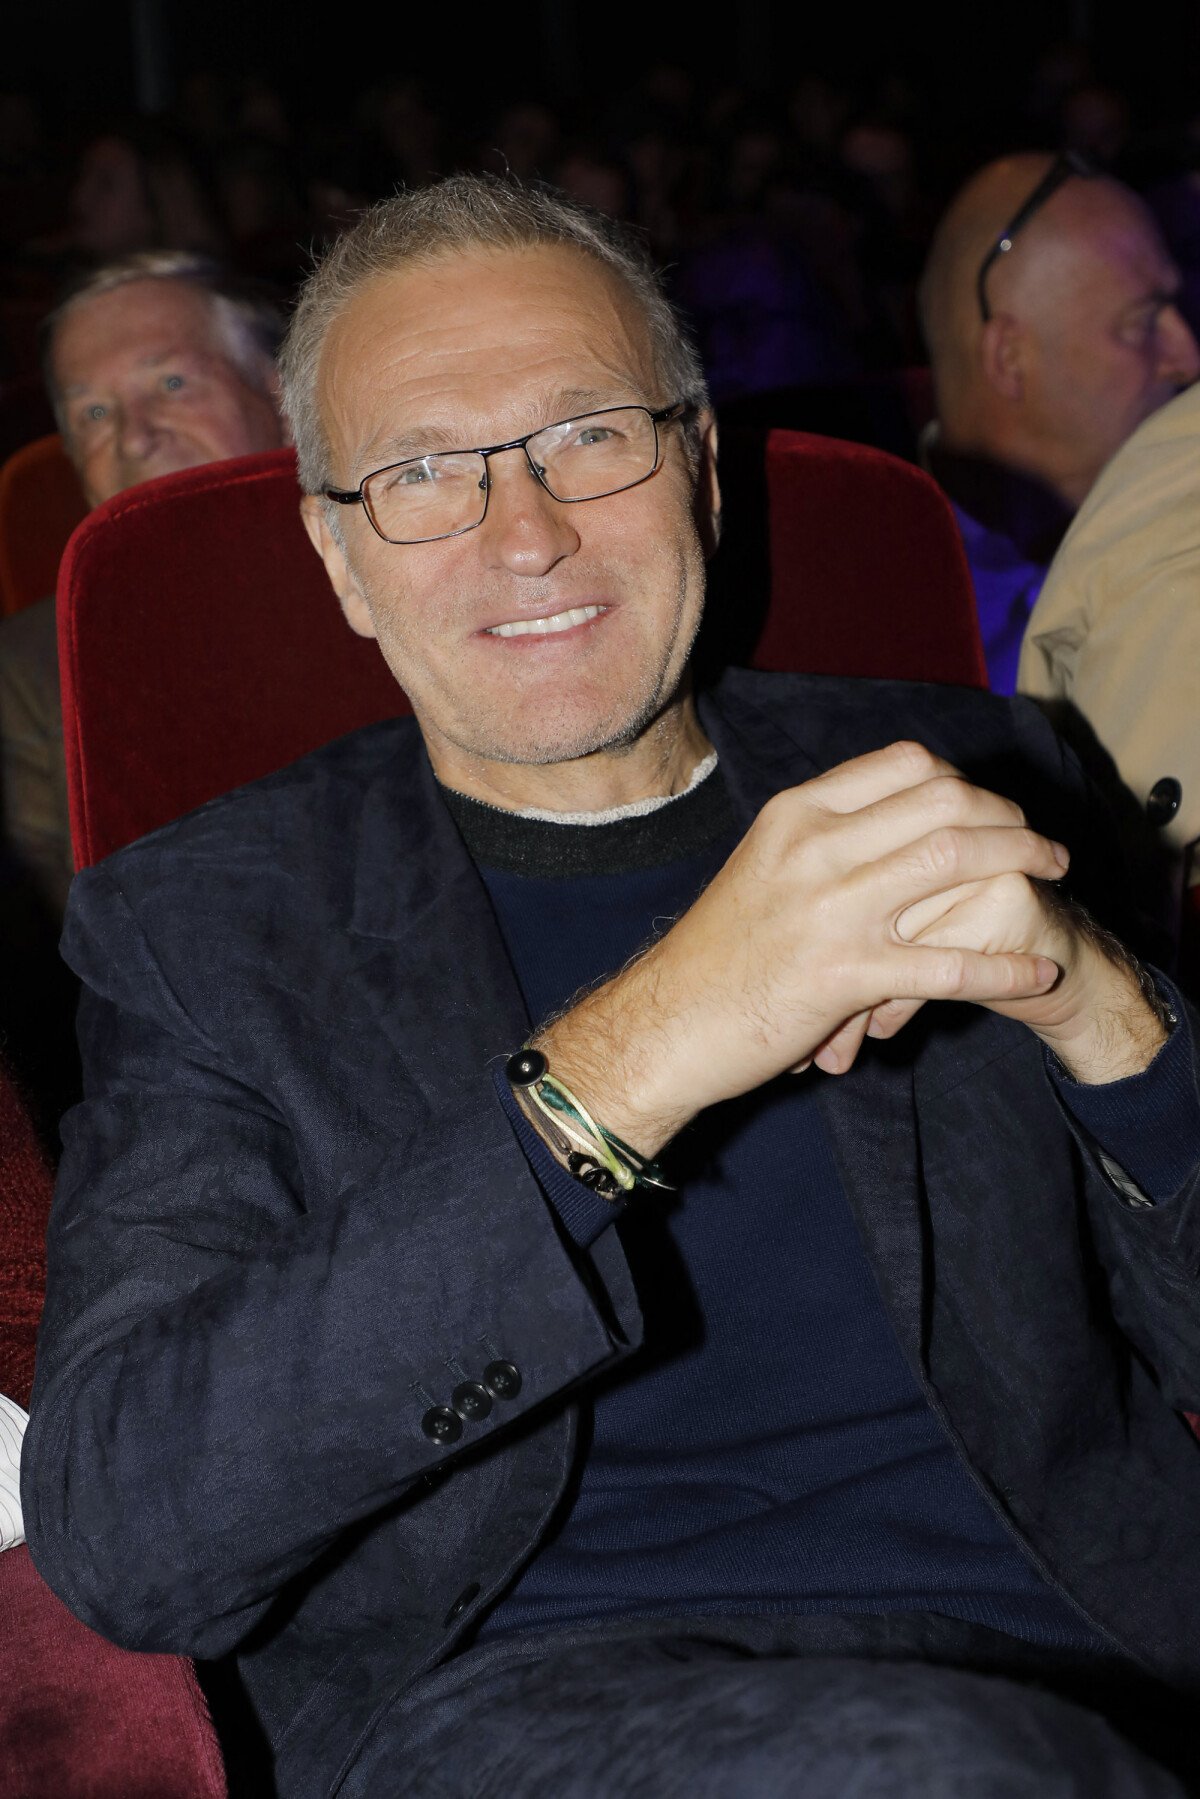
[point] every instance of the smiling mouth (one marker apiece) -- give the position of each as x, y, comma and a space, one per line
545, 627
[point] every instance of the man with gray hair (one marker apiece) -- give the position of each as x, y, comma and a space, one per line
161, 361
475, 1316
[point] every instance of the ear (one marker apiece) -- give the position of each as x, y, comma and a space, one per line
707, 499
1003, 354
341, 576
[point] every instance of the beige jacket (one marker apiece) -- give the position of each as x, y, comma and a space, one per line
1116, 629
33, 777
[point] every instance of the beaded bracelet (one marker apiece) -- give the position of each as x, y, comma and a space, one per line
593, 1155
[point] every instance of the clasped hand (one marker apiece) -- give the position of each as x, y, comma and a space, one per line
850, 902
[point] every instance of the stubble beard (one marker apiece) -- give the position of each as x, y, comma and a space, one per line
558, 737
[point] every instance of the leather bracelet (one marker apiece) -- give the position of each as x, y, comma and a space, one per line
592, 1154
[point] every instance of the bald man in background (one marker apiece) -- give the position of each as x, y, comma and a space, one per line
1048, 304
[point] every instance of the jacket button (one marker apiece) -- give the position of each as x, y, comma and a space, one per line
462, 1602
503, 1379
471, 1401
1166, 797
441, 1424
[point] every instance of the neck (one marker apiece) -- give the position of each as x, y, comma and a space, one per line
657, 764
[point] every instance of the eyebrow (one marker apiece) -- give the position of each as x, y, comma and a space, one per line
420, 440
184, 353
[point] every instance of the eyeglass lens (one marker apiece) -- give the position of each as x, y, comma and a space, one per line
580, 459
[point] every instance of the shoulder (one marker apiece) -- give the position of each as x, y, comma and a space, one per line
1145, 502
293, 830
1006, 745
1138, 531
29, 647
832, 717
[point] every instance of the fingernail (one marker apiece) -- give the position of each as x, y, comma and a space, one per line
1047, 971
1062, 854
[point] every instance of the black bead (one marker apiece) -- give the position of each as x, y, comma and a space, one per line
526, 1068
1166, 797
441, 1424
503, 1379
471, 1401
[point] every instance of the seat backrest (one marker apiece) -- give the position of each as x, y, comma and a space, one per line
200, 646
25, 1188
41, 502
844, 560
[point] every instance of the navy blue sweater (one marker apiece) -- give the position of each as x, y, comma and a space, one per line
769, 1449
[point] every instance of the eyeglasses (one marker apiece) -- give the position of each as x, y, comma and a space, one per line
1061, 169
443, 495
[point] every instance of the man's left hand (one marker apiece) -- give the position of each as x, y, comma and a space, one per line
1095, 1018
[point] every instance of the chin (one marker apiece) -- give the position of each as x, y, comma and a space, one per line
558, 733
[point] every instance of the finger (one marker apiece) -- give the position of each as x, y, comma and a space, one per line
865, 779
925, 973
943, 803
892, 1016
954, 857
837, 1053
928, 913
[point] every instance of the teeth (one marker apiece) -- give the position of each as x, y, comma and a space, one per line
542, 627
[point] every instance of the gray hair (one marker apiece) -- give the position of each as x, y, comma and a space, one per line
465, 212
251, 320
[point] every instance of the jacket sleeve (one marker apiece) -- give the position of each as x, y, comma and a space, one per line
233, 1372
1151, 1248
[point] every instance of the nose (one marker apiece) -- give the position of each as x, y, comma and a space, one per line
526, 530
138, 430
1179, 353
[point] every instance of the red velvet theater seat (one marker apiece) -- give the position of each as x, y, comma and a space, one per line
844, 560
200, 646
25, 1188
79, 1719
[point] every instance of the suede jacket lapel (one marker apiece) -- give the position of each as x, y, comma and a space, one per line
437, 974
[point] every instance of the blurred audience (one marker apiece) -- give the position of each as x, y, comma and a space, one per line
1113, 646
1049, 306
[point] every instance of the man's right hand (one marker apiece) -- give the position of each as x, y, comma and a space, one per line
795, 937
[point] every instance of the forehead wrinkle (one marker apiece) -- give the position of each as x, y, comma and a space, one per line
512, 416
475, 380
567, 402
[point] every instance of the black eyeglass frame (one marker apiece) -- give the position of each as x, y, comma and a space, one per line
664, 415
1068, 163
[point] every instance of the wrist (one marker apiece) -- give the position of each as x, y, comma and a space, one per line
618, 1064
1119, 1023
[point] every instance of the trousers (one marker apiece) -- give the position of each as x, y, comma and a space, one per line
765, 1708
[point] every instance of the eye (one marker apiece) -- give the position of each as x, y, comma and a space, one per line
588, 435
172, 383
1142, 325
93, 415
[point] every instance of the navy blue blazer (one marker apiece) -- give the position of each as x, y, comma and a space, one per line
292, 1217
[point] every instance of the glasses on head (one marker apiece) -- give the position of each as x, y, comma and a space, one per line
443, 495
1061, 169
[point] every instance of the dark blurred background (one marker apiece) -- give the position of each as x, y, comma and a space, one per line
787, 163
